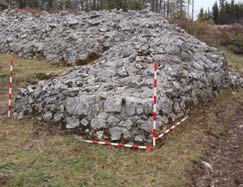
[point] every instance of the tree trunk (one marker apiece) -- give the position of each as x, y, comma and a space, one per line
164, 8
188, 9
168, 8
192, 10
160, 5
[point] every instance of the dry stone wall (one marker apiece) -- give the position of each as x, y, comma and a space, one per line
70, 39
112, 98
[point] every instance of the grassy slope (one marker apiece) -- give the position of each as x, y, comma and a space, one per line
31, 154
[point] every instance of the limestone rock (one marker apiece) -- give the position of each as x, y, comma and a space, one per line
236, 81
99, 121
79, 105
114, 93
72, 122
84, 122
47, 116
113, 104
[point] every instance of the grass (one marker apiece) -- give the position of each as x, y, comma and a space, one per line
57, 160
33, 154
25, 72
27, 69
235, 62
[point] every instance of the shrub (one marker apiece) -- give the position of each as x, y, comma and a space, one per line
236, 45
230, 36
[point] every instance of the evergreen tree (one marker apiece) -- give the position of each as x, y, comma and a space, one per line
201, 15
215, 12
227, 13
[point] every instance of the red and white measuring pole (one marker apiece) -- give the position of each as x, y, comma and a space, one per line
155, 104
150, 148
10, 88
171, 128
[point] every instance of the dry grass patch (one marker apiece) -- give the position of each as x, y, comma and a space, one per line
25, 72
235, 62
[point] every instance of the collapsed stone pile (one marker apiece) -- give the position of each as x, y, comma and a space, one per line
70, 39
112, 98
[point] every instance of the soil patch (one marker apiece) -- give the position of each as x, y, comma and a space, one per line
222, 164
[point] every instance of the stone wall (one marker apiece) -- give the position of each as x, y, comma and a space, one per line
112, 98
70, 39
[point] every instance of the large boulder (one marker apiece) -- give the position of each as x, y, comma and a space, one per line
112, 98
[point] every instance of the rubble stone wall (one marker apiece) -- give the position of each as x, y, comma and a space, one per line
112, 98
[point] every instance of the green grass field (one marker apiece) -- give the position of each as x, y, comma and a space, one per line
33, 154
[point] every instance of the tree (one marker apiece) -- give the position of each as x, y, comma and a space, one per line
215, 12
222, 2
168, 9
181, 10
22, 3
192, 10
201, 15
164, 8
224, 12
227, 13
188, 8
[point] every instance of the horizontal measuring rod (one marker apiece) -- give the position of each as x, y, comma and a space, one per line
171, 128
150, 148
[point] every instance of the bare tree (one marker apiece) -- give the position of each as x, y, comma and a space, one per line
188, 8
168, 8
192, 10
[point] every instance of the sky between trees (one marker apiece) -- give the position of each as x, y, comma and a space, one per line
205, 4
